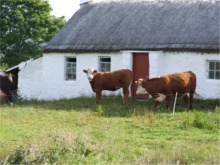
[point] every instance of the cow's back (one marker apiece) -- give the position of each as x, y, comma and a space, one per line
181, 82
113, 80
124, 75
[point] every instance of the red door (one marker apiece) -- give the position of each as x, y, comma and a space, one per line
140, 70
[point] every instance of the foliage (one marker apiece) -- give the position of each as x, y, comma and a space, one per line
77, 131
3, 66
59, 149
100, 110
25, 26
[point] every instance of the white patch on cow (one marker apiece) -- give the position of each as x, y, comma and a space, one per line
11, 104
10, 77
141, 90
160, 97
89, 74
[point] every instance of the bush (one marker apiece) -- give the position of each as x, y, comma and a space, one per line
201, 121
59, 150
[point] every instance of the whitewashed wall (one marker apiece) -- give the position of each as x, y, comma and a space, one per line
30, 79
169, 62
44, 78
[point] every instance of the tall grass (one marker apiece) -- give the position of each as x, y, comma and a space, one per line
76, 131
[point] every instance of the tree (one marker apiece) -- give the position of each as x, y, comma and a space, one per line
25, 26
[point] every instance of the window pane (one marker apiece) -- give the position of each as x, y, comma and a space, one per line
74, 76
68, 71
105, 59
211, 74
108, 67
71, 59
68, 65
211, 65
217, 75
73, 70
102, 67
217, 65
69, 76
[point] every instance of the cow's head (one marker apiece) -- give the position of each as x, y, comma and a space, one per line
89, 73
140, 89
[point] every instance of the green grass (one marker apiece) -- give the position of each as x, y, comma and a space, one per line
76, 131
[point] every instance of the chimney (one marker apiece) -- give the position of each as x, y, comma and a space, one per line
83, 2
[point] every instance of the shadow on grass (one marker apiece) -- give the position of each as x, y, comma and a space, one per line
112, 105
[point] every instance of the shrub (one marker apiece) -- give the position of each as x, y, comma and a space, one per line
59, 150
18, 156
201, 121
188, 121
100, 110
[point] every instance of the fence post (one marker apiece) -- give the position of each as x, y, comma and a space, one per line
174, 106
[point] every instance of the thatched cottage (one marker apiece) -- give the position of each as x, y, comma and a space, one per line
149, 37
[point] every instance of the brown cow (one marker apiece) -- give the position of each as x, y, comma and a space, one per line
6, 82
111, 81
164, 87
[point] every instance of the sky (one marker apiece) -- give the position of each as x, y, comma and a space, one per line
64, 7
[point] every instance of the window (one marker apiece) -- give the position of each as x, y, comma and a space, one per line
214, 70
70, 68
104, 64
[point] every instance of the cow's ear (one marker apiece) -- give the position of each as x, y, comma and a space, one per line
94, 71
85, 71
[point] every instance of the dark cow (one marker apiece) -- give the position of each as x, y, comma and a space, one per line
6, 82
111, 81
165, 87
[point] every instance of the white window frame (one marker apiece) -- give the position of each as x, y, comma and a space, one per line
106, 64
214, 70
70, 69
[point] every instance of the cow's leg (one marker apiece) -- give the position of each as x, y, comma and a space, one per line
98, 97
156, 103
126, 94
9, 101
186, 99
168, 103
191, 100
8, 98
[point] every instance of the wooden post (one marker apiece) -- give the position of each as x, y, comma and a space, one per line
174, 106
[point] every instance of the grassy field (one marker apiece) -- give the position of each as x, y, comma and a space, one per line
77, 131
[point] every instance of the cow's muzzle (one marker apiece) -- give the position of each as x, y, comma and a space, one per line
90, 78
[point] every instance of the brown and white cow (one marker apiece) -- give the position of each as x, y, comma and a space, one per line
111, 81
165, 87
6, 82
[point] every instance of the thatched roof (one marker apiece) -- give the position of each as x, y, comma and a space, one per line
113, 25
